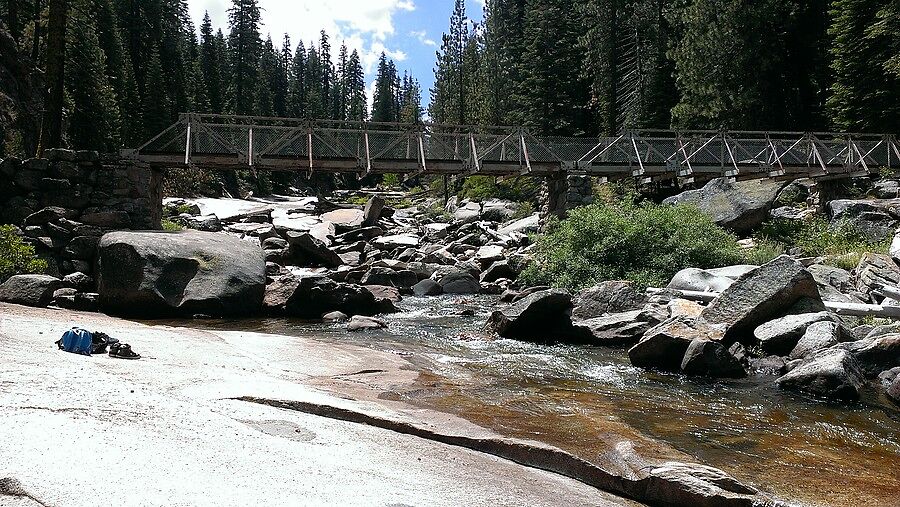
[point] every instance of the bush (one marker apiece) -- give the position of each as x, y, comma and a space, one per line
480, 188
16, 256
646, 243
171, 226
765, 251
817, 237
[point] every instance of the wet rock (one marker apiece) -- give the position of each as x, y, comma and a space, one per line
761, 295
384, 294
607, 297
427, 287
699, 280
153, 274
664, 345
614, 329
876, 354
740, 206
875, 270
372, 211
310, 251
30, 290
498, 270
818, 336
542, 316
362, 323
79, 281
780, 336
768, 365
457, 281
696, 485
387, 276
335, 317
313, 296
831, 373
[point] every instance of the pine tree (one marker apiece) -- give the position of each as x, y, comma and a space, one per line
313, 101
93, 119
342, 93
327, 76
266, 80
410, 101
384, 104
210, 65
357, 104
282, 78
296, 86
451, 95
244, 47
156, 105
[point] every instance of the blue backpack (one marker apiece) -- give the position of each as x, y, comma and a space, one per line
77, 341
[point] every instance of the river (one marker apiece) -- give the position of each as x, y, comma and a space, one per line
802, 450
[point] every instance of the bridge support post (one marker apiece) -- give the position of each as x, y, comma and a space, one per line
562, 192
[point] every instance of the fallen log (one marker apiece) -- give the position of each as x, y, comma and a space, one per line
846, 309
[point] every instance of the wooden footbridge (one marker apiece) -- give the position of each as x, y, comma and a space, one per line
283, 144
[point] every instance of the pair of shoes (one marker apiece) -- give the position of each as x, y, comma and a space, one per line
122, 351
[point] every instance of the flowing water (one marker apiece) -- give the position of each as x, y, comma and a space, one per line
576, 398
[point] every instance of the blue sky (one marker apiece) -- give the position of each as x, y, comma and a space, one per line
409, 31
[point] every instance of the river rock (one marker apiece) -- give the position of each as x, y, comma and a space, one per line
30, 290
427, 287
468, 211
335, 317
498, 210
876, 354
525, 225
696, 485
363, 323
384, 294
607, 297
664, 345
543, 317
875, 270
372, 211
623, 328
397, 241
699, 280
457, 281
311, 297
344, 219
153, 274
740, 206
893, 391
818, 336
831, 373
378, 275
311, 251
79, 281
711, 359
498, 270
780, 336
761, 295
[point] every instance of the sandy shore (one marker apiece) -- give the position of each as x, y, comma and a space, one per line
167, 429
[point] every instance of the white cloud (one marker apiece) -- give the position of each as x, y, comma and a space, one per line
422, 37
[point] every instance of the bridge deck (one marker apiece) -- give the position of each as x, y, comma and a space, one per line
285, 144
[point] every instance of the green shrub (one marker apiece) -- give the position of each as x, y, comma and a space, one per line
646, 243
171, 226
390, 180
815, 236
16, 256
480, 188
764, 251
523, 209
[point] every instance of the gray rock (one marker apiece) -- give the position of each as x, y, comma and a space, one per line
362, 323
740, 206
344, 219
153, 274
623, 328
887, 189
372, 211
733, 272
818, 336
498, 210
674, 483
849, 209
607, 297
457, 281
522, 226
768, 365
387, 276
467, 212
781, 335
427, 287
876, 354
397, 241
82, 248
875, 270
831, 373
79, 281
542, 316
107, 219
310, 251
761, 295
79, 301
313, 296
664, 345
498, 270
699, 280
710, 359
49, 214
838, 278
206, 223
30, 290
335, 317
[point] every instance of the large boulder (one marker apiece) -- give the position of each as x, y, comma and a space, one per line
664, 345
699, 280
30, 290
876, 354
875, 270
780, 336
372, 211
893, 391
311, 297
457, 281
544, 317
765, 293
607, 297
831, 373
740, 206
711, 359
308, 250
153, 274
623, 328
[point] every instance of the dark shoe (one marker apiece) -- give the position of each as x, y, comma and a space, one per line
122, 351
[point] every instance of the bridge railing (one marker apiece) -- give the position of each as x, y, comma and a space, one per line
288, 143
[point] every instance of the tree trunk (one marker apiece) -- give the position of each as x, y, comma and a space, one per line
51, 126
12, 19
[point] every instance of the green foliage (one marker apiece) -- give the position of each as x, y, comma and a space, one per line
390, 180
16, 256
523, 209
168, 225
646, 243
479, 188
764, 251
817, 237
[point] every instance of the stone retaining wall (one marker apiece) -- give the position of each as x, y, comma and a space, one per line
562, 192
65, 202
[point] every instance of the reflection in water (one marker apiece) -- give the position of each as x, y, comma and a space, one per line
800, 449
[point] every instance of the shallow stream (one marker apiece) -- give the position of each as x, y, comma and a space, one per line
802, 450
